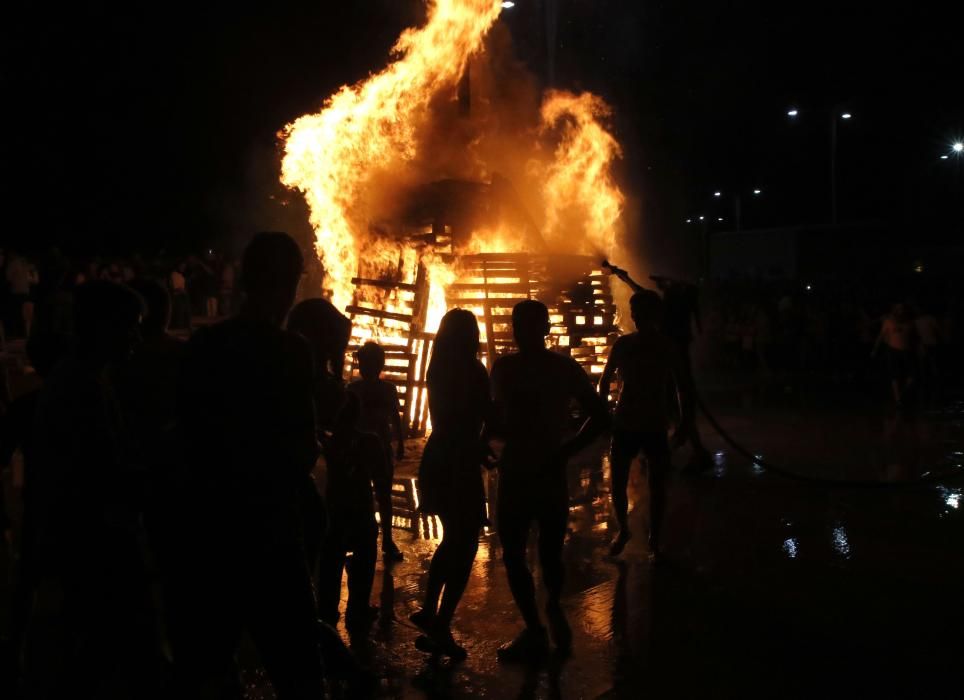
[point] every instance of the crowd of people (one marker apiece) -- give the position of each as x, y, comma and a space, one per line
169, 489
840, 332
38, 289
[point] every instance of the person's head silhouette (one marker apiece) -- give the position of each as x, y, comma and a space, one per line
371, 360
271, 269
456, 342
325, 328
158, 304
106, 319
646, 308
530, 325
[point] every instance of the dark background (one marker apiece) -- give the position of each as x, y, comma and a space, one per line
143, 127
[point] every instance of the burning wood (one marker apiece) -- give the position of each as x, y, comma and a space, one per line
398, 252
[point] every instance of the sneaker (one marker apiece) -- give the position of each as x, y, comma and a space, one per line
440, 642
423, 619
619, 542
530, 646
559, 628
443, 640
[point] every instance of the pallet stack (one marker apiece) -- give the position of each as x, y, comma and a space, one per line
575, 288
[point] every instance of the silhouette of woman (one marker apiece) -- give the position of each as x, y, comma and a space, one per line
450, 480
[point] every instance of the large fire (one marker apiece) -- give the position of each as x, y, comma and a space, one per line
378, 135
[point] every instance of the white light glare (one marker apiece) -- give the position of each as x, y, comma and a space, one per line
689, 221
701, 218
719, 218
846, 115
757, 191
717, 194
958, 147
792, 113
508, 5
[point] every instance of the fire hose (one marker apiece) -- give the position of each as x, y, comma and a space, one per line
757, 460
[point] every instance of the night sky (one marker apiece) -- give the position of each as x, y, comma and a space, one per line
137, 128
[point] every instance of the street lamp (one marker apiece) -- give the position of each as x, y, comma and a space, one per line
846, 115
792, 112
717, 194
958, 147
757, 191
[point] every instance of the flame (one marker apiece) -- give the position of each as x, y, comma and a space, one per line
579, 192
376, 134
333, 155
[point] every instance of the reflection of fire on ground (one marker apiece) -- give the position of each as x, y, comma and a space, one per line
446, 179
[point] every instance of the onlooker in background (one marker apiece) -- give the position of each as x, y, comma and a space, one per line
228, 274
899, 337
44, 350
180, 302
89, 496
19, 281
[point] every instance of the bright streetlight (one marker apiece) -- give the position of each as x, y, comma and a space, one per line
846, 115
792, 113
717, 194
958, 147
757, 191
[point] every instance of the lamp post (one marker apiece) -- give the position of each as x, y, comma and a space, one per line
836, 114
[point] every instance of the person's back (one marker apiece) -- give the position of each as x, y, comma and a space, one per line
533, 392
381, 416
246, 410
647, 362
379, 406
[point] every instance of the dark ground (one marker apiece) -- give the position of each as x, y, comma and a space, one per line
774, 587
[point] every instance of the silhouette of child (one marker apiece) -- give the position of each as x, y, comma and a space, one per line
353, 457
381, 415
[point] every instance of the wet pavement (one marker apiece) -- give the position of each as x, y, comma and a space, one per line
774, 587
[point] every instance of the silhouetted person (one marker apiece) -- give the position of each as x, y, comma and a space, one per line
44, 350
533, 390
245, 407
380, 414
681, 311
649, 365
898, 335
450, 476
353, 458
327, 331
89, 502
147, 388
